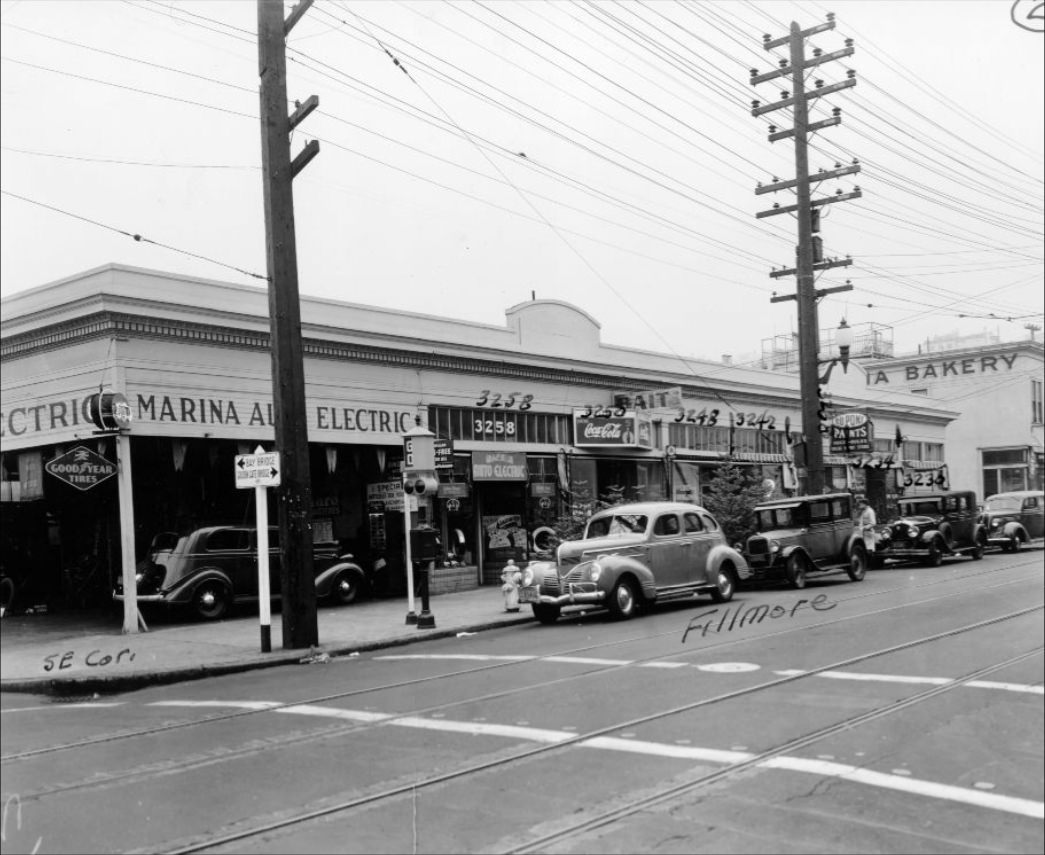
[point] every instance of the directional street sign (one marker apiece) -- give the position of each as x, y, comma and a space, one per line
257, 470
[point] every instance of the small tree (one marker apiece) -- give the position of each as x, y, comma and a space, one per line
731, 498
580, 507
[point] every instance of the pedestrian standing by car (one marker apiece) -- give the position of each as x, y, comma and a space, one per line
866, 519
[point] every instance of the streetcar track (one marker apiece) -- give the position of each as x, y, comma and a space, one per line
759, 760
199, 843
276, 706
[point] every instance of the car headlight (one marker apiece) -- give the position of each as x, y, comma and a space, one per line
774, 546
995, 523
595, 571
912, 532
138, 577
527, 576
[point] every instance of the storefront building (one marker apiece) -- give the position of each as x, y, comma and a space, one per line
534, 419
997, 443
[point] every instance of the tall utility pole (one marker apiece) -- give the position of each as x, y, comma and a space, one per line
809, 252
297, 583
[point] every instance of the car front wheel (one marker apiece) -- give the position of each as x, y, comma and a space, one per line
935, 556
795, 570
211, 601
725, 585
977, 550
346, 588
622, 602
1014, 543
857, 568
545, 614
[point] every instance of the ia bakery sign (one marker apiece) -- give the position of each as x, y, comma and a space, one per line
944, 369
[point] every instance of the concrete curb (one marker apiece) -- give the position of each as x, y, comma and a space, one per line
119, 683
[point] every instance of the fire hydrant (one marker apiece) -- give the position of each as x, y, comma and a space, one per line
511, 576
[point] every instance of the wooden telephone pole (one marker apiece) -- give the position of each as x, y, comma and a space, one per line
297, 583
809, 254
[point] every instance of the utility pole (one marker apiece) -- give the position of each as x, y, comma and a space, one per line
809, 252
297, 583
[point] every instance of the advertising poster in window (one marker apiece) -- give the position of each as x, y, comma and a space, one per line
505, 537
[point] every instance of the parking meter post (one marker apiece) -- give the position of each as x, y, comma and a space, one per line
261, 507
425, 620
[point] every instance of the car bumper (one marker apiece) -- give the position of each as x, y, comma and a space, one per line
576, 594
999, 540
141, 598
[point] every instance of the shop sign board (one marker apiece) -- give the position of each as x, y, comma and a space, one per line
851, 433
539, 489
453, 490
499, 466
631, 430
649, 399
81, 468
387, 496
444, 453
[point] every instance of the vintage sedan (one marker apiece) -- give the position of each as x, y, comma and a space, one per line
934, 525
211, 568
634, 555
1014, 519
806, 535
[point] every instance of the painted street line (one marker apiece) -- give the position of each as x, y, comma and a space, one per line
79, 706
935, 681
729, 668
822, 768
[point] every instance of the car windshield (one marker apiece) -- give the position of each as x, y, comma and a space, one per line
774, 518
617, 525
1003, 503
910, 509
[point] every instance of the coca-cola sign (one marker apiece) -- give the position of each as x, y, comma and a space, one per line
612, 431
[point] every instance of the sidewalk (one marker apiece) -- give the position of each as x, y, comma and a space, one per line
109, 661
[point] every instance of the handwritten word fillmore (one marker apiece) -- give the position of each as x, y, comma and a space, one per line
750, 615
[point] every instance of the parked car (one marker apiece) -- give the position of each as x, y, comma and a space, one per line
1014, 519
211, 568
934, 525
803, 536
635, 555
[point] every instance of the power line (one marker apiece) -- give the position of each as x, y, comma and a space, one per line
136, 237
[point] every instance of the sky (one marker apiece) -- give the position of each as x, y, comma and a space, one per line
476, 154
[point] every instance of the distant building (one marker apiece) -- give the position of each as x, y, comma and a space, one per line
997, 444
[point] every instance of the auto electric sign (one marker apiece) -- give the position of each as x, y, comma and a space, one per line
81, 468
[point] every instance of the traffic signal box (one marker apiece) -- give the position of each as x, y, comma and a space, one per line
419, 475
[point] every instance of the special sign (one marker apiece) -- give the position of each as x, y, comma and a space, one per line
257, 470
851, 433
81, 468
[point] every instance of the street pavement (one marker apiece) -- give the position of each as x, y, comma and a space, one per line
62, 658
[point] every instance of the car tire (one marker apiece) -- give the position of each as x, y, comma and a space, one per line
935, 556
8, 589
1015, 544
857, 568
545, 613
725, 584
977, 550
210, 601
622, 601
346, 588
795, 571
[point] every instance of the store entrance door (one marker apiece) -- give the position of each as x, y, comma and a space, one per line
502, 524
